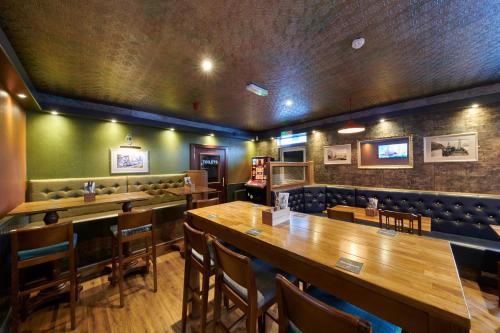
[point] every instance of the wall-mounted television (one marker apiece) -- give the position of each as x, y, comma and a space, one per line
395, 150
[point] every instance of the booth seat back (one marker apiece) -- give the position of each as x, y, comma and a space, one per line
49, 189
156, 185
455, 213
340, 195
295, 200
314, 198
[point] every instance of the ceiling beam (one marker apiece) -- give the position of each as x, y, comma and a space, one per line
82, 108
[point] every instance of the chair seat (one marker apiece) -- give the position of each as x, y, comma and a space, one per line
265, 281
378, 324
131, 231
199, 256
42, 251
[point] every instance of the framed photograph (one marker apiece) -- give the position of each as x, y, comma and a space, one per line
339, 154
129, 160
386, 153
451, 148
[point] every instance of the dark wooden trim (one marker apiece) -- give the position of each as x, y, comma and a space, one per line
192, 148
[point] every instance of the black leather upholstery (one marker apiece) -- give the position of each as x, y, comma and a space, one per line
338, 195
314, 199
295, 200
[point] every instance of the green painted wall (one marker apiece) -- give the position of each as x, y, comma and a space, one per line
61, 147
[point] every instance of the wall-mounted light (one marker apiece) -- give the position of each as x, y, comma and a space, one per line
172, 129
382, 120
21, 95
212, 134
113, 120
474, 106
55, 113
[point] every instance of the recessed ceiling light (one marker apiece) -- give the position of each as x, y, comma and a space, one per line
288, 102
358, 43
212, 134
474, 106
172, 129
113, 120
3, 93
314, 131
272, 138
382, 120
207, 65
55, 113
21, 95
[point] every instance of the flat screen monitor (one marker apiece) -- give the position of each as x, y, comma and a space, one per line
395, 150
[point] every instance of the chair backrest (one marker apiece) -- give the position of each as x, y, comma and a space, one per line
207, 202
237, 267
42, 237
197, 240
135, 220
385, 216
307, 314
340, 215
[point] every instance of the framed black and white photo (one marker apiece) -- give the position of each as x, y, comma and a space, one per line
338, 154
129, 160
451, 148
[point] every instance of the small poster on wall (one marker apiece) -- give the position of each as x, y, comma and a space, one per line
339, 154
129, 160
451, 148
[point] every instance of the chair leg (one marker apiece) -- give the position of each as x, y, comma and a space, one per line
204, 301
15, 312
217, 304
155, 277
113, 262
185, 294
72, 299
120, 273
262, 323
147, 255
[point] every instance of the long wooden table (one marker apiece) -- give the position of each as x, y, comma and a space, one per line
360, 215
408, 280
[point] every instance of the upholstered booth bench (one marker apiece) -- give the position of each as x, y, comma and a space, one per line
461, 218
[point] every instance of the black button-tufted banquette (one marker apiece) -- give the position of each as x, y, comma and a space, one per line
295, 199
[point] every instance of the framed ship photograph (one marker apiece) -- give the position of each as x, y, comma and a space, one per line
129, 160
338, 154
461, 147
386, 153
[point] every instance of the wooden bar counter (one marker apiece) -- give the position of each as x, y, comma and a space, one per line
411, 281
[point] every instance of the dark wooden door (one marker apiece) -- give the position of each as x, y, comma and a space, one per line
213, 159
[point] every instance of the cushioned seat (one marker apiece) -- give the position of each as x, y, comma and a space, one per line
265, 281
378, 324
199, 256
42, 251
130, 232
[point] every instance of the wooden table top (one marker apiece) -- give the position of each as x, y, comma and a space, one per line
360, 214
496, 228
35, 207
416, 272
189, 190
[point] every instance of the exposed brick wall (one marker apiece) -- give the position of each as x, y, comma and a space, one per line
476, 177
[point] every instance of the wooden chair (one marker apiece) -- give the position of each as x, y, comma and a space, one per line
300, 312
340, 215
206, 202
249, 284
132, 226
198, 255
385, 217
44, 245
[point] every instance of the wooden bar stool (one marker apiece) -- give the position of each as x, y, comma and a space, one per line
206, 202
198, 255
385, 217
340, 215
132, 226
35, 246
299, 312
249, 284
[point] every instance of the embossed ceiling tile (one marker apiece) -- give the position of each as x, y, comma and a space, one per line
145, 54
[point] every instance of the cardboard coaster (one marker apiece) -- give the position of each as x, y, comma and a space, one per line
253, 232
349, 265
387, 232
212, 216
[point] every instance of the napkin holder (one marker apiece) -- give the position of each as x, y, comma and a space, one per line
88, 197
274, 217
371, 211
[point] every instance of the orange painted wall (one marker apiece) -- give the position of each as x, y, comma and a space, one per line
12, 154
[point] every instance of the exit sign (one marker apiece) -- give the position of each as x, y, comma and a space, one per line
285, 133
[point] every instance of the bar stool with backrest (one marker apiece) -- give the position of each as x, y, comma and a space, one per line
133, 226
206, 202
340, 215
249, 284
34, 246
300, 312
385, 217
198, 255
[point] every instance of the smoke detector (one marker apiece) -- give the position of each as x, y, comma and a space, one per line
358, 43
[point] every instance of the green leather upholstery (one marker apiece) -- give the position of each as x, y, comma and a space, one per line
156, 185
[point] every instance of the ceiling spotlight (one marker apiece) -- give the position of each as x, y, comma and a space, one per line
3, 93
172, 129
21, 95
314, 131
212, 134
55, 113
207, 65
382, 120
113, 120
474, 106
358, 43
272, 138
288, 102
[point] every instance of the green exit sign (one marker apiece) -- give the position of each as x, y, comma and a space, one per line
285, 133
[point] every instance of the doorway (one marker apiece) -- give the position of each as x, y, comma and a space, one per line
213, 159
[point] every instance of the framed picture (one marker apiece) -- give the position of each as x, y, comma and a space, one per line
451, 148
129, 160
339, 154
386, 153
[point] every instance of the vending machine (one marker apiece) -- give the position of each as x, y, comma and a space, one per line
256, 186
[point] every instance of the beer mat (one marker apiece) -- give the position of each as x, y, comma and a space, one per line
299, 215
254, 232
387, 232
349, 265
212, 216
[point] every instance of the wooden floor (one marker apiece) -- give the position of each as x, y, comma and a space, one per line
145, 311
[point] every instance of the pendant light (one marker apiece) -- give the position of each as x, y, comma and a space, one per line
351, 127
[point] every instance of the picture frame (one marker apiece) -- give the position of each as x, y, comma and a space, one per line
129, 160
462, 147
383, 153
337, 154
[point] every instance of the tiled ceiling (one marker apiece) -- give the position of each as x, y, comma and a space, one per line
146, 54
